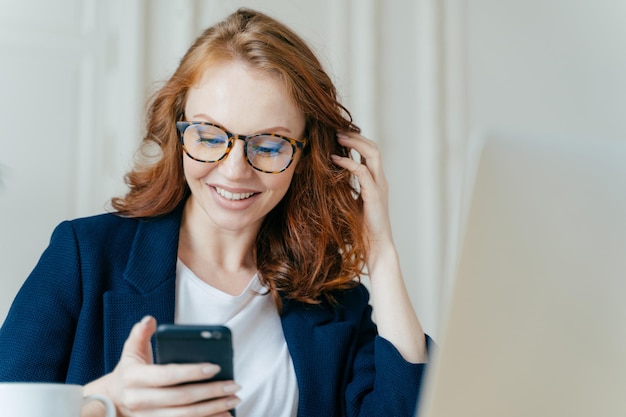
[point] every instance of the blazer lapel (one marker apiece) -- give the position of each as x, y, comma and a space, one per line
151, 277
311, 331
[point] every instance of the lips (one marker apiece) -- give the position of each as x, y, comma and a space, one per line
233, 196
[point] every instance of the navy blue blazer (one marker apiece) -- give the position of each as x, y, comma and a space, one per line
102, 274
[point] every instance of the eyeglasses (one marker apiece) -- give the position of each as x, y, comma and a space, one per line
265, 152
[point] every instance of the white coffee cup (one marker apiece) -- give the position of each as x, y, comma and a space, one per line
34, 399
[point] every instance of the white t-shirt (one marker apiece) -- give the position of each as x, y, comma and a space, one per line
262, 364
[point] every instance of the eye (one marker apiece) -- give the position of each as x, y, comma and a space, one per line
210, 137
268, 146
212, 142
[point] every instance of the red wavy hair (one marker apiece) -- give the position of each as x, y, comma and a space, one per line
312, 242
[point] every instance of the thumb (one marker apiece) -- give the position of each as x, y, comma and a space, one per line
137, 347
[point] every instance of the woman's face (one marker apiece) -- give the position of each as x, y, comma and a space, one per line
230, 194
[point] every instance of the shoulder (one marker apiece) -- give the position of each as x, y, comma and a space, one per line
117, 233
102, 221
112, 226
88, 237
349, 305
357, 296
105, 226
339, 304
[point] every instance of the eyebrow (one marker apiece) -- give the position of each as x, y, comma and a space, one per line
265, 130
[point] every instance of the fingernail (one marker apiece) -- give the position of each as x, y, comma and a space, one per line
335, 157
210, 369
145, 319
231, 388
233, 402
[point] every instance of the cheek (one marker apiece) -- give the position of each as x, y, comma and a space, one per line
194, 170
281, 182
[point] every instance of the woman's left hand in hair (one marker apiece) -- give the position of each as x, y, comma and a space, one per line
389, 295
373, 186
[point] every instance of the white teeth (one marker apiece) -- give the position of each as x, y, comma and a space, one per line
233, 196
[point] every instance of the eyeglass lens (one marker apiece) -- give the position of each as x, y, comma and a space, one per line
265, 152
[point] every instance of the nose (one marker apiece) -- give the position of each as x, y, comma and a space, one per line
235, 164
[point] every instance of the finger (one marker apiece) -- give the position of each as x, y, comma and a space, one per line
215, 408
367, 149
137, 347
355, 167
364, 146
150, 398
169, 375
360, 171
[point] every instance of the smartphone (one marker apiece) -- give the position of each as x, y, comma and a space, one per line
177, 343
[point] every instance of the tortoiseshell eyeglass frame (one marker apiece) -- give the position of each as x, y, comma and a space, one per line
295, 143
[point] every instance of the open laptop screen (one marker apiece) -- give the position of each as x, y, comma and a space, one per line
537, 320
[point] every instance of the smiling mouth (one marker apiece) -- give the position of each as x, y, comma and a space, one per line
233, 196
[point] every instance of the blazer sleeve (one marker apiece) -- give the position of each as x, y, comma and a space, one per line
39, 349
382, 383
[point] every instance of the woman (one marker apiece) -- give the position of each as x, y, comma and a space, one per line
262, 230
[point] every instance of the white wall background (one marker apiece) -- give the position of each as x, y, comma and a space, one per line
419, 76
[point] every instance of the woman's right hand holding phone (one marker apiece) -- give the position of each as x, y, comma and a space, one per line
139, 388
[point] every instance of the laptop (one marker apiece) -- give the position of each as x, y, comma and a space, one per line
536, 322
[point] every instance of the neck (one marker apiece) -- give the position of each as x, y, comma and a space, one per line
222, 258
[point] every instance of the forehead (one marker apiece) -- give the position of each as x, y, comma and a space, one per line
243, 99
